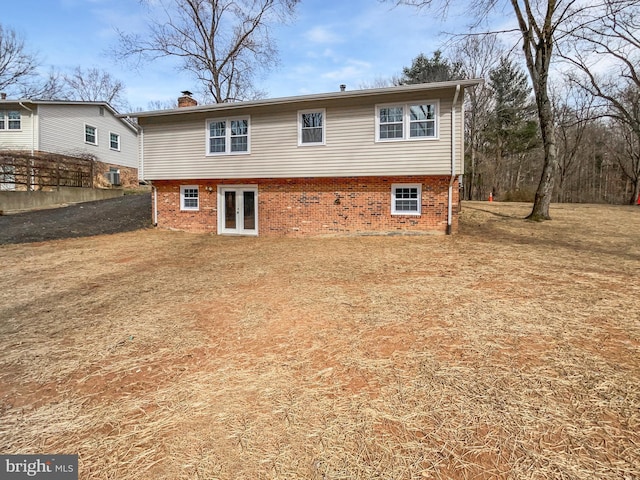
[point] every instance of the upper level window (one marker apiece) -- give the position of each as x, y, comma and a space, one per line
311, 127
114, 141
10, 120
412, 121
91, 134
228, 136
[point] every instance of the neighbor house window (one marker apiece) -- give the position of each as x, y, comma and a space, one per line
90, 134
311, 127
405, 199
411, 121
228, 136
114, 141
10, 120
189, 199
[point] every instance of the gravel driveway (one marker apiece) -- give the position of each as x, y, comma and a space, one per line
121, 214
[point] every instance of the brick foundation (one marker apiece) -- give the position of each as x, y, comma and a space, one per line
315, 206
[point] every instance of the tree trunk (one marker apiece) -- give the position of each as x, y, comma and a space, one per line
636, 192
544, 192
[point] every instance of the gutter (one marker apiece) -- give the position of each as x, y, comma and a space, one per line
453, 160
141, 177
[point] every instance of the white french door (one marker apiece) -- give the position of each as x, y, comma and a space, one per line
238, 210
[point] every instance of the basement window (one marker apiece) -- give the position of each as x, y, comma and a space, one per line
189, 198
406, 199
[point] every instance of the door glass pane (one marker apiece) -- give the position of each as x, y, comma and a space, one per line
230, 210
249, 210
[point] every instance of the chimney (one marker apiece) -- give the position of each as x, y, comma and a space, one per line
3, 96
186, 100
343, 87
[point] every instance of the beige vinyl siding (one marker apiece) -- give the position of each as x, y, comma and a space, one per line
62, 130
18, 139
175, 146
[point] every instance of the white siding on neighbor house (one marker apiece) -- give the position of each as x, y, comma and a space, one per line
175, 146
18, 139
62, 129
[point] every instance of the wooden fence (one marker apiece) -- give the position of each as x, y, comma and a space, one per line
20, 171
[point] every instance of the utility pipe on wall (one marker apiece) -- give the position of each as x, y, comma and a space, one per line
33, 144
155, 205
453, 160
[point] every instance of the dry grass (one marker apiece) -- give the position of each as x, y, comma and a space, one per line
508, 351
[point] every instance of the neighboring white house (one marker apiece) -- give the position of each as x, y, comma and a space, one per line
75, 128
386, 159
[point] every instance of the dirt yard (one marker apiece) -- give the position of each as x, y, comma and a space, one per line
509, 351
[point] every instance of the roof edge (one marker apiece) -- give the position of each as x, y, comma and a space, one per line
307, 98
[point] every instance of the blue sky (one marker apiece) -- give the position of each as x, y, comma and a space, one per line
330, 42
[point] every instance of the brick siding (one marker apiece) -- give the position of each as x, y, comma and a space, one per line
315, 206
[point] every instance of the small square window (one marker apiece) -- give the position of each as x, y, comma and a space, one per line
90, 134
189, 198
406, 199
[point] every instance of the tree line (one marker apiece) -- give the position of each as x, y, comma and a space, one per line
565, 129
559, 121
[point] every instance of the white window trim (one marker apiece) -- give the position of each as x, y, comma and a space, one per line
5, 118
182, 206
406, 121
393, 199
117, 135
84, 132
227, 138
324, 127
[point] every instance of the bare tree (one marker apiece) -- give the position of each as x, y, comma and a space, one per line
477, 56
17, 66
541, 24
44, 87
573, 112
94, 85
612, 40
225, 44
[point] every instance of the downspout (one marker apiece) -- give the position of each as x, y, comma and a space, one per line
33, 142
155, 205
453, 160
141, 177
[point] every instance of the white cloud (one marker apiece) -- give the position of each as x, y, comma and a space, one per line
353, 70
323, 35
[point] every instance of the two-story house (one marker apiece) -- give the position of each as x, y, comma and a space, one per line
375, 160
79, 129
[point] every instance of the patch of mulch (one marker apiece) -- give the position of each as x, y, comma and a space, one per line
115, 215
